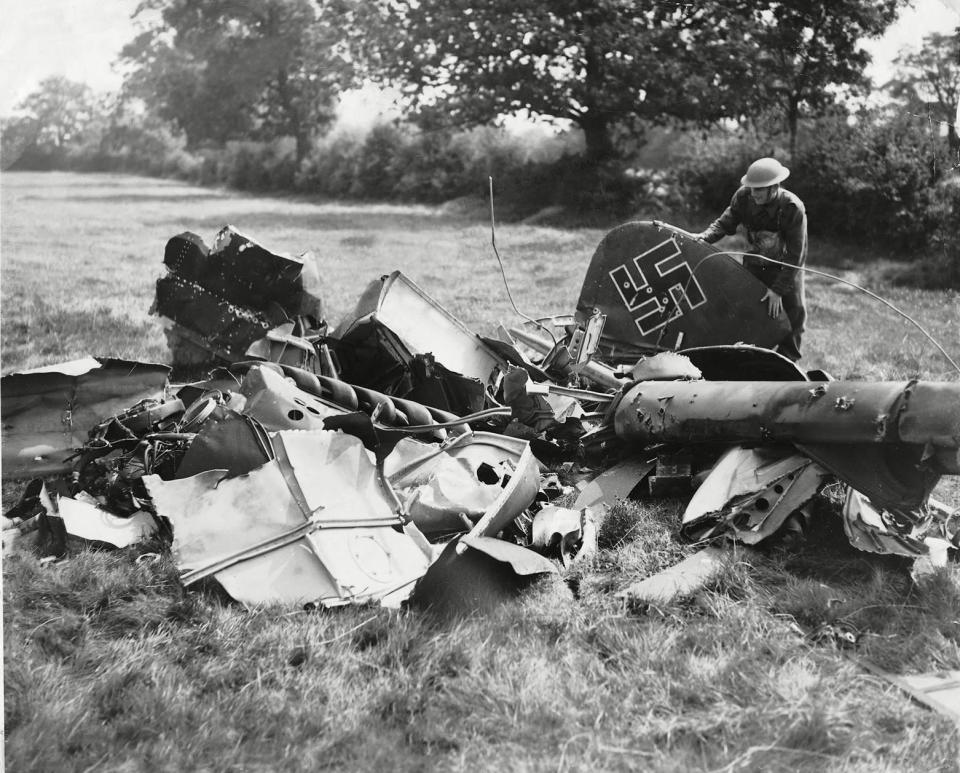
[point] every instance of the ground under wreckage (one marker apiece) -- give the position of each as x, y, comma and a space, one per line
391, 456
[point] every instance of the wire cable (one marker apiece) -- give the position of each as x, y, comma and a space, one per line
835, 278
503, 273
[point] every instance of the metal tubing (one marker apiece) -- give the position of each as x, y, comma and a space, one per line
926, 414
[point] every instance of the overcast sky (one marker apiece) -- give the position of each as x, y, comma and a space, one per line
81, 39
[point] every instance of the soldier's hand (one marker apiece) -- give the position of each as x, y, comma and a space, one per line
774, 303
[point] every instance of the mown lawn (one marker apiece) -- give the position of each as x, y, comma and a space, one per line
110, 665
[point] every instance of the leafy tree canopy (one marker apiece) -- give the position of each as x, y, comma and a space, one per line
593, 62
234, 69
58, 111
806, 49
603, 62
928, 81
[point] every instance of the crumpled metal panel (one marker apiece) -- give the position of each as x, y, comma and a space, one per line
223, 328
313, 525
427, 327
422, 326
876, 531
278, 405
514, 498
442, 485
239, 270
475, 574
750, 493
615, 482
281, 346
87, 520
227, 441
48, 412
572, 532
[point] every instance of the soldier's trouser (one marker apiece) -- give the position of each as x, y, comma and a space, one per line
794, 306
796, 311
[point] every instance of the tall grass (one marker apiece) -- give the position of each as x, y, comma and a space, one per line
110, 665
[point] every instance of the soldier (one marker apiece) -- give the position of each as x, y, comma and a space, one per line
776, 227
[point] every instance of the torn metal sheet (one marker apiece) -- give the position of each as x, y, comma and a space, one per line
476, 574
229, 441
680, 580
572, 532
663, 366
446, 489
938, 690
47, 413
281, 345
515, 497
615, 483
751, 492
423, 326
83, 517
278, 404
876, 530
314, 525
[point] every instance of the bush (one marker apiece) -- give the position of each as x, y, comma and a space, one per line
872, 179
259, 166
939, 267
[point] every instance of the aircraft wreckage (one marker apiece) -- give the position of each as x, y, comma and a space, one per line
382, 459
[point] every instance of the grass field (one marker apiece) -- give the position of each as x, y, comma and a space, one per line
110, 665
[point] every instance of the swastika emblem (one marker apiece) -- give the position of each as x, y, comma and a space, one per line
658, 286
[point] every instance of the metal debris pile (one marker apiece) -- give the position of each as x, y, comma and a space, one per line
400, 457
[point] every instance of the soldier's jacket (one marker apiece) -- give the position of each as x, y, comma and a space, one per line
777, 229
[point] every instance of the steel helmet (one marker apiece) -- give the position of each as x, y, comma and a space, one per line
764, 172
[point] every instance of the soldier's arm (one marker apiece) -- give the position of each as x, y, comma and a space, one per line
726, 224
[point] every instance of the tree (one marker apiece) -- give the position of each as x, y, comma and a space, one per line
241, 69
597, 63
804, 49
928, 82
59, 111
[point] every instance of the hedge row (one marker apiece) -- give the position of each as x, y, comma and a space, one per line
880, 179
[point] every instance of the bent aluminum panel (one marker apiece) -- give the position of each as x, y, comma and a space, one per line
47, 413
750, 493
514, 498
424, 327
315, 519
439, 484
